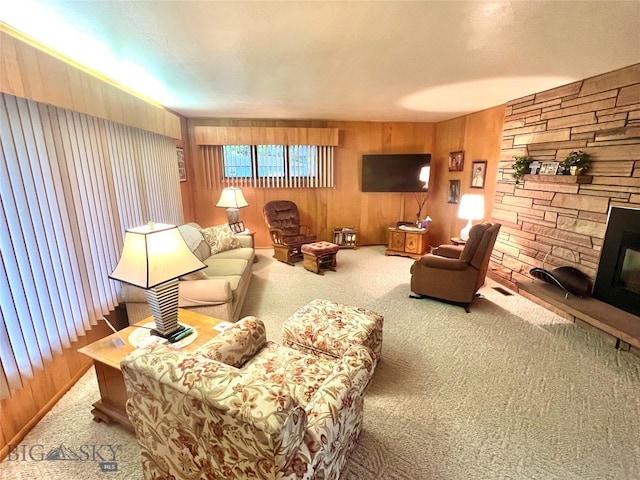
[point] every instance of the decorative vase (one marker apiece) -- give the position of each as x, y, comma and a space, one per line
574, 170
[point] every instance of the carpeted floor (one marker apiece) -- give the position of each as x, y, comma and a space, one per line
508, 391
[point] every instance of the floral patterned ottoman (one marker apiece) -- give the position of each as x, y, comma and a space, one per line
324, 328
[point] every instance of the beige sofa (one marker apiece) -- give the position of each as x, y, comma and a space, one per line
220, 289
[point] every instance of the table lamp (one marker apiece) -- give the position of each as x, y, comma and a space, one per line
232, 199
153, 257
471, 208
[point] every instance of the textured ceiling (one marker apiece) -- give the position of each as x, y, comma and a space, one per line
345, 60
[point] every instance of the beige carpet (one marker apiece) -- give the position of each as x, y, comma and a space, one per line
508, 391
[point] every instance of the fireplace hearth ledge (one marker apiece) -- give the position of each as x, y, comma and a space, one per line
624, 326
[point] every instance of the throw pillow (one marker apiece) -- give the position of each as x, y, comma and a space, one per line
199, 275
220, 238
195, 241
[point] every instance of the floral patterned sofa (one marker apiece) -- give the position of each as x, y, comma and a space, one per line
244, 408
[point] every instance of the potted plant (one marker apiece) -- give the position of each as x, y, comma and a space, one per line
520, 167
577, 162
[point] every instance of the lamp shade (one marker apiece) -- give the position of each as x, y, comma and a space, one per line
232, 197
154, 254
471, 207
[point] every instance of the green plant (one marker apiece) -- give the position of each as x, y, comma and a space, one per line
578, 159
520, 167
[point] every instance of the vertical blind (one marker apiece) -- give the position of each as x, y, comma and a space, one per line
70, 184
319, 175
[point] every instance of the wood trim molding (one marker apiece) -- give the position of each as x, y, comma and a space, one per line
205, 135
27, 71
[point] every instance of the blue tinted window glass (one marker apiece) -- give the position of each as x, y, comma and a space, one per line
237, 161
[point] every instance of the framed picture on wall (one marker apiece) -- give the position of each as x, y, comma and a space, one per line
182, 170
454, 191
456, 161
478, 173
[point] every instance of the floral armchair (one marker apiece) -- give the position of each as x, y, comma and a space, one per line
241, 407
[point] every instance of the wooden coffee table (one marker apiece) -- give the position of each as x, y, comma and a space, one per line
106, 355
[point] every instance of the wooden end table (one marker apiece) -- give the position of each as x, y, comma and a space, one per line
407, 243
107, 355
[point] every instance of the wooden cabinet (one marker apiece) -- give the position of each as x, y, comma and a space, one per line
408, 243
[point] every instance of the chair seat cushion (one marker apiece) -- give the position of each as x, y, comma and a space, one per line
302, 373
319, 248
298, 239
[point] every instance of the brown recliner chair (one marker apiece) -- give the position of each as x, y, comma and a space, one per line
287, 235
455, 274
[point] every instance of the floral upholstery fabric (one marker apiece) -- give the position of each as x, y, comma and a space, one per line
220, 238
236, 344
302, 373
283, 415
328, 329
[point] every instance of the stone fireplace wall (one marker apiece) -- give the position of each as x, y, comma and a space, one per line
558, 216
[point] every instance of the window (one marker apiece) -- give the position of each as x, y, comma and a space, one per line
268, 166
237, 161
303, 160
270, 161
240, 161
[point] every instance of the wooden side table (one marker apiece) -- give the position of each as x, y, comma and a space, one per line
407, 243
106, 355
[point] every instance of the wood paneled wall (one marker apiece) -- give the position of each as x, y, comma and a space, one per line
325, 208
27, 406
477, 134
30, 73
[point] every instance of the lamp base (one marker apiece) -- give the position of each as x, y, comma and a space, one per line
464, 233
174, 336
163, 301
233, 215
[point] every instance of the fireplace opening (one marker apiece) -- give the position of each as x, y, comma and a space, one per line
618, 278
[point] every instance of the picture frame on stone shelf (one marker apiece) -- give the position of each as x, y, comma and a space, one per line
549, 168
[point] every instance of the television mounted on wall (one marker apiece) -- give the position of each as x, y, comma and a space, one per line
395, 172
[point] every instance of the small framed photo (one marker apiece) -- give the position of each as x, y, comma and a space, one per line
456, 161
182, 170
454, 191
478, 174
549, 168
237, 227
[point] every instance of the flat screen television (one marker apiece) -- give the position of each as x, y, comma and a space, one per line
394, 172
